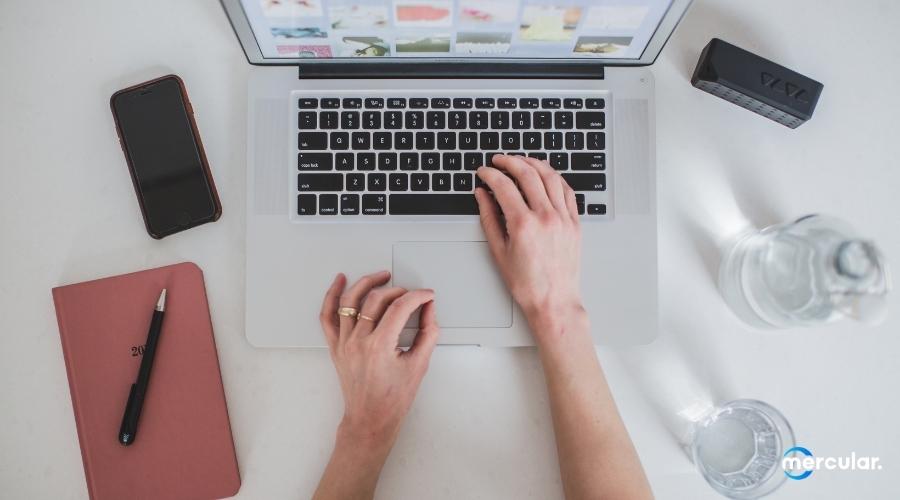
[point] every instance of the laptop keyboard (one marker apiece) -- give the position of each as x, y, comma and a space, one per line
416, 156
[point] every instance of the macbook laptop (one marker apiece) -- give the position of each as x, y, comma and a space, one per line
368, 118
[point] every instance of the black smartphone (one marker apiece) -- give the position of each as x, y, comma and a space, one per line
162, 147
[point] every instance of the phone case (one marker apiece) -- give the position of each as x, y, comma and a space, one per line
203, 161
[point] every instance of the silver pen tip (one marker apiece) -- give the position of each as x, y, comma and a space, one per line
161, 303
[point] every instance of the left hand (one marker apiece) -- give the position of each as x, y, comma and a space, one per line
378, 379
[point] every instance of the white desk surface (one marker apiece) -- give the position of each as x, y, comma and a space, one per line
480, 427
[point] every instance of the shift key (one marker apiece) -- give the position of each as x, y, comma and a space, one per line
320, 182
586, 182
312, 140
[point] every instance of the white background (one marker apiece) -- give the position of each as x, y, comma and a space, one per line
480, 427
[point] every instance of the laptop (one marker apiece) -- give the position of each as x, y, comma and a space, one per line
367, 119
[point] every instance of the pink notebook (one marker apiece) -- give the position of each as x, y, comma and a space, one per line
184, 448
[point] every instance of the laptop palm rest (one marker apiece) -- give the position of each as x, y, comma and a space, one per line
469, 292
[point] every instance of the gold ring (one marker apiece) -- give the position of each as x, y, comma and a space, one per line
363, 316
348, 312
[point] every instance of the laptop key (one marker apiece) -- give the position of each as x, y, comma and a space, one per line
350, 120
579, 202
588, 161
396, 102
403, 140
371, 119
489, 140
540, 156
468, 140
436, 119
431, 161
543, 119
528, 103
418, 103
452, 161
440, 182
553, 140
559, 161
314, 162
563, 119
521, 119
574, 140
409, 161
360, 140
425, 140
596, 209
440, 102
398, 182
374, 103
352, 102
596, 140
349, 204
312, 140
419, 182
365, 161
471, 161
374, 204
387, 161
446, 140
506, 103
376, 182
320, 182
573, 103
328, 120
308, 103
339, 140
509, 140
456, 120
595, 103
306, 204
590, 119
478, 120
415, 119
551, 103
462, 103
343, 161
331, 103
381, 140
356, 182
328, 204
531, 140
462, 182
484, 103
586, 182
393, 120
306, 120
433, 204
500, 119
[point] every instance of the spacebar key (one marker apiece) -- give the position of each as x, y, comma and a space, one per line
432, 204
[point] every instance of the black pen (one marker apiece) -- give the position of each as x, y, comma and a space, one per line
135, 403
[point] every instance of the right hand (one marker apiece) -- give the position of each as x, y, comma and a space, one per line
536, 240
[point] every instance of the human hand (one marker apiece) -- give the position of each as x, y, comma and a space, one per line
378, 379
536, 241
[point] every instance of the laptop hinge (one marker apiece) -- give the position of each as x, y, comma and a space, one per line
565, 70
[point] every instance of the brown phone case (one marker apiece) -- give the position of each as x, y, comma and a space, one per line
190, 112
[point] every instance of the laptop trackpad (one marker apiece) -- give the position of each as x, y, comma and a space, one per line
469, 292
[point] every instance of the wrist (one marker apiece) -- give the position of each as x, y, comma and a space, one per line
559, 323
366, 442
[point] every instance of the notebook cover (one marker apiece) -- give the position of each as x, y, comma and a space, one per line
183, 448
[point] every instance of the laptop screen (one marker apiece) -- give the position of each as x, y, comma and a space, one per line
533, 29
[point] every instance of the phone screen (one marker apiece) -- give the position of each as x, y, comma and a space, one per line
165, 158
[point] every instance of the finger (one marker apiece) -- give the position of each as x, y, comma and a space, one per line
528, 178
373, 307
328, 315
505, 191
571, 202
398, 313
489, 213
353, 298
427, 337
551, 180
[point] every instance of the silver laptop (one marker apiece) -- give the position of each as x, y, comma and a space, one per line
367, 119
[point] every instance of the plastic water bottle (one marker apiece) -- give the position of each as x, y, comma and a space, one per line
807, 272
738, 448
